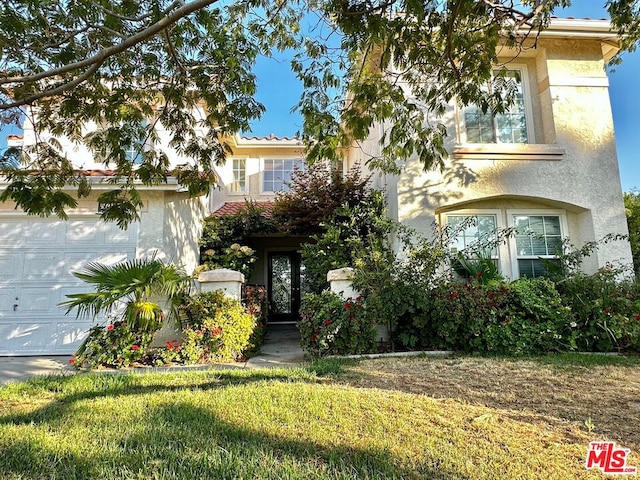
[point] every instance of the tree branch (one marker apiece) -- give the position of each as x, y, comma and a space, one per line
54, 91
102, 55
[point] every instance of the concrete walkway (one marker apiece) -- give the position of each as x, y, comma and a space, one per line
281, 348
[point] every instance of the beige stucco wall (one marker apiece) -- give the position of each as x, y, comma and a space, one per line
571, 115
254, 152
183, 227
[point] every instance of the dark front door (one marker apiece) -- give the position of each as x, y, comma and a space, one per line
286, 274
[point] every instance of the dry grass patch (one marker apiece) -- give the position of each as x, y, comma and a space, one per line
561, 394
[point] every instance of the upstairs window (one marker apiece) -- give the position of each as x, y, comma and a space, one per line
239, 183
507, 127
134, 150
277, 173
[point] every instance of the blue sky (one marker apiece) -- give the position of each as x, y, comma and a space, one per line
278, 90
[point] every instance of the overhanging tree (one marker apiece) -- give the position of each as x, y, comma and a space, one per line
105, 73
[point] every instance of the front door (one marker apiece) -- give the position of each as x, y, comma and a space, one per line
286, 281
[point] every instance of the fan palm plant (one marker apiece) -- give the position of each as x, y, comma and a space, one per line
137, 285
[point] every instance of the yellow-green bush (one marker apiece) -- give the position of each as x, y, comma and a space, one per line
215, 328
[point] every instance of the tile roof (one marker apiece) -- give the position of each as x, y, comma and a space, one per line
232, 208
270, 137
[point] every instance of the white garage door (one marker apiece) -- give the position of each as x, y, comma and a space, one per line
37, 257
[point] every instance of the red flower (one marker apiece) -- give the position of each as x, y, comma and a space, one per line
110, 327
312, 338
169, 345
359, 298
327, 322
347, 305
72, 360
607, 309
351, 314
637, 315
120, 360
490, 294
507, 320
216, 331
134, 347
454, 295
479, 274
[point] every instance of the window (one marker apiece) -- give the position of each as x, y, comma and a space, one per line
277, 173
468, 230
134, 150
537, 237
507, 127
238, 185
533, 240
471, 236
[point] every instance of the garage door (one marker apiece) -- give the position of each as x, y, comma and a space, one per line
37, 257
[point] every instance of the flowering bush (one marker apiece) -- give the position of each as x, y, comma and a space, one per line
524, 317
113, 346
256, 303
222, 244
235, 257
330, 325
215, 327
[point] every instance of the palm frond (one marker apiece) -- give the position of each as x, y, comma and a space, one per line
136, 283
144, 316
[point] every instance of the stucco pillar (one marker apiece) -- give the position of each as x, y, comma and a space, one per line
229, 281
341, 282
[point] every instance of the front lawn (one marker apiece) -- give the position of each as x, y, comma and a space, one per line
394, 418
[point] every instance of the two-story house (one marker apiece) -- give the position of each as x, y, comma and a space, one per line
547, 167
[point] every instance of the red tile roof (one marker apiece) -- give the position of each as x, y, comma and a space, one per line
232, 208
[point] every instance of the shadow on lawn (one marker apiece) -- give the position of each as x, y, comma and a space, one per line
181, 440
97, 385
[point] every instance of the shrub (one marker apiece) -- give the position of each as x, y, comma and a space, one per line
137, 285
215, 328
604, 310
532, 320
113, 346
397, 288
351, 233
632, 209
314, 195
330, 325
224, 238
256, 303
522, 318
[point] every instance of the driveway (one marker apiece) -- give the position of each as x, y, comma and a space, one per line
14, 369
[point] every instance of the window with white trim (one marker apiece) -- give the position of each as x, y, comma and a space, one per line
468, 230
277, 173
239, 183
507, 127
537, 237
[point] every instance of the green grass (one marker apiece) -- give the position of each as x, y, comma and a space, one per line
269, 424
